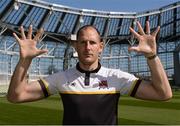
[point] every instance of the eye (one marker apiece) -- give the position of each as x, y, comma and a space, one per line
92, 42
82, 42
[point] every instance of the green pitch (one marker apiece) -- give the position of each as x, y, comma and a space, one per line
131, 111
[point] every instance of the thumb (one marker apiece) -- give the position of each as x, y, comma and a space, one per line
133, 48
42, 51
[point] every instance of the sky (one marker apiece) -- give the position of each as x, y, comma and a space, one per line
115, 5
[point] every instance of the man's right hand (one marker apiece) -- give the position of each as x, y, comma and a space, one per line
28, 49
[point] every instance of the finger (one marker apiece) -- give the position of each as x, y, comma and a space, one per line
22, 32
16, 37
147, 28
141, 31
133, 48
156, 31
136, 35
39, 34
42, 51
29, 36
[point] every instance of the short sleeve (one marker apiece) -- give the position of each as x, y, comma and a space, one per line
51, 83
127, 83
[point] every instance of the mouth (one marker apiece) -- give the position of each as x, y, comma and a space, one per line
88, 54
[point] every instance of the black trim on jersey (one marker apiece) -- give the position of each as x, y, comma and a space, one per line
87, 79
135, 88
84, 71
45, 92
87, 73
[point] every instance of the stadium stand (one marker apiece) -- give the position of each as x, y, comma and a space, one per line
61, 23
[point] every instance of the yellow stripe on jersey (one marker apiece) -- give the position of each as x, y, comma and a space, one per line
46, 85
132, 87
95, 92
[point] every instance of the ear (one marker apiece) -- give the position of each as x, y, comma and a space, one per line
101, 47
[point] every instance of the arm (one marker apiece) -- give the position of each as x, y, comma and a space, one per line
158, 88
20, 90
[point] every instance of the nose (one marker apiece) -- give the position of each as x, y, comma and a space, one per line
87, 45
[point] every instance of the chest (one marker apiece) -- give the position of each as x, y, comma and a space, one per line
90, 83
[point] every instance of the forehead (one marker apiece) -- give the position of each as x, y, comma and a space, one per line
89, 33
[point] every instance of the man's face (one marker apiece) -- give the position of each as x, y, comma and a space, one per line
88, 46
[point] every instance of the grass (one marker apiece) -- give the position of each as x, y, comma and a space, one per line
47, 111
131, 111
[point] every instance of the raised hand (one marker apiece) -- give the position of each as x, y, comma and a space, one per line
147, 40
28, 49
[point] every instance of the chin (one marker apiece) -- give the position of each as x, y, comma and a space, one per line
87, 61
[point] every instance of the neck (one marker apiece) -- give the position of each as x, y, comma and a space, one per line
89, 67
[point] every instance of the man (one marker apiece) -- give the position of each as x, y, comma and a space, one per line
89, 91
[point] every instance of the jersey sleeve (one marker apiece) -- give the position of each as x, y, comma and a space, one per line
51, 83
128, 83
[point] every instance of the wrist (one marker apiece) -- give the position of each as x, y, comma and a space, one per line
25, 59
151, 57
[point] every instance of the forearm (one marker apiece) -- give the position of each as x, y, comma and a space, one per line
19, 78
159, 78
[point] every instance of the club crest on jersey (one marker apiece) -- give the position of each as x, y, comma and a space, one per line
103, 84
73, 84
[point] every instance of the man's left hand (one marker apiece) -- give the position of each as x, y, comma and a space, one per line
147, 40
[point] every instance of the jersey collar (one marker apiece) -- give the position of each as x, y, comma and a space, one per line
84, 71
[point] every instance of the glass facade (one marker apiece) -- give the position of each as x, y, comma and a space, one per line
59, 23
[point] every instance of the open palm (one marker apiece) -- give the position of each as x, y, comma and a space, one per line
27, 45
147, 42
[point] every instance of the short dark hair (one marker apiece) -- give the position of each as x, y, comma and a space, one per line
86, 26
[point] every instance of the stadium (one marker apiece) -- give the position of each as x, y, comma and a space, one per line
61, 24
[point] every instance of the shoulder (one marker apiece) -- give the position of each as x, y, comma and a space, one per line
70, 70
60, 76
116, 72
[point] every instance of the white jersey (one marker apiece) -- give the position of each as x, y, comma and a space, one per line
90, 97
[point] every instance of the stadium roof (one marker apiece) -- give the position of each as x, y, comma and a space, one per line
60, 22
